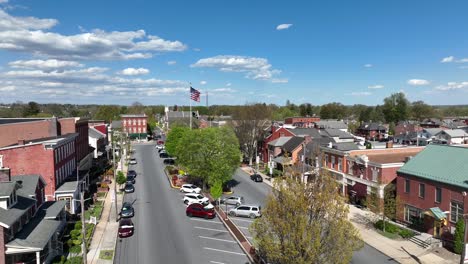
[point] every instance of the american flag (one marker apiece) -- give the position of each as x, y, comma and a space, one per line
194, 94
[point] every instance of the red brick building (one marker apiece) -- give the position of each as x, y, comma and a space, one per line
276, 132
135, 125
432, 188
54, 159
361, 171
301, 121
372, 131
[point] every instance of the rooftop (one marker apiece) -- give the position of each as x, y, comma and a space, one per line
279, 142
8, 217
384, 158
293, 143
134, 115
312, 132
4, 121
440, 163
94, 133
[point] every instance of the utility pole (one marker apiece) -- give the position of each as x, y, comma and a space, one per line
83, 229
115, 178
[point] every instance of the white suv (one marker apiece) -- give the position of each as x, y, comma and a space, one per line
251, 211
190, 188
233, 200
191, 198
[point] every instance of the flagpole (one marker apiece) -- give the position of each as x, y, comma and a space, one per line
190, 99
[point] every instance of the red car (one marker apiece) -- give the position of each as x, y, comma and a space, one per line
126, 228
160, 142
200, 210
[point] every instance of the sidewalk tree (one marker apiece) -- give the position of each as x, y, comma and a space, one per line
386, 207
121, 179
306, 223
458, 236
211, 154
216, 190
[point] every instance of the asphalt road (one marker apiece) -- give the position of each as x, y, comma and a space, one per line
255, 193
163, 233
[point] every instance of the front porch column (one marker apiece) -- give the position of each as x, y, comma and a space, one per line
38, 257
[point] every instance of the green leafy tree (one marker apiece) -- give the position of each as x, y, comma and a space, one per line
333, 111
31, 109
386, 207
420, 110
211, 154
107, 113
173, 145
216, 190
459, 236
396, 108
121, 179
306, 223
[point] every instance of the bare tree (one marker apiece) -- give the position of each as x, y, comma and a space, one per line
249, 123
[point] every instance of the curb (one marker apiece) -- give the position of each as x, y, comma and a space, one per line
170, 181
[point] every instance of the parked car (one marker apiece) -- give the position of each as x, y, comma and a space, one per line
127, 210
190, 188
252, 211
169, 161
160, 142
164, 155
199, 210
126, 227
235, 200
191, 198
163, 150
132, 161
131, 173
256, 177
129, 188
158, 147
131, 179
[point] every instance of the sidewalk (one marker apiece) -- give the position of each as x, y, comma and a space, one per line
105, 234
402, 251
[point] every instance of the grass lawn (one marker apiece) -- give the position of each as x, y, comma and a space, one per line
106, 254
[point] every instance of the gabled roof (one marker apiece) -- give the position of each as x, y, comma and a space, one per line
6, 188
454, 133
279, 142
445, 164
331, 124
312, 132
293, 143
331, 132
94, 133
372, 126
37, 233
28, 184
432, 131
8, 217
345, 146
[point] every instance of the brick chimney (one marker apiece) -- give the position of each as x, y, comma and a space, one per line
21, 142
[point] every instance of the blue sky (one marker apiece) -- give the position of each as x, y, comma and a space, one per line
119, 52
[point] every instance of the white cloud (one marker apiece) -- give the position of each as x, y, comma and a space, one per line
45, 65
283, 26
418, 82
361, 93
134, 71
453, 59
224, 90
172, 62
9, 88
3, 1
453, 86
447, 59
196, 49
255, 68
377, 86
368, 65
8, 22
279, 80
203, 82
27, 34
228, 84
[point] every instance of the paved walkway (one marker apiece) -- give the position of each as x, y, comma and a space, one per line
105, 235
402, 251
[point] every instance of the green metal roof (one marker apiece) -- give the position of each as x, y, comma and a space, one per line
445, 164
437, 213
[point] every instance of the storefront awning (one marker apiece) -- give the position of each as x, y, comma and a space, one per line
436, 213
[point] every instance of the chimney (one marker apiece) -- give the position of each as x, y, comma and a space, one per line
389, 144
21, 142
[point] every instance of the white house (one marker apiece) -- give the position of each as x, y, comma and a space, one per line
450, 137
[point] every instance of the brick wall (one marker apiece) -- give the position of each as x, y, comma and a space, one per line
276, 134
32, 159
11, 133
130, 127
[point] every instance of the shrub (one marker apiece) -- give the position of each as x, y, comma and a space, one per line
121, 179
78, 225
74, 260
389, 227
458, 236
75, 249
